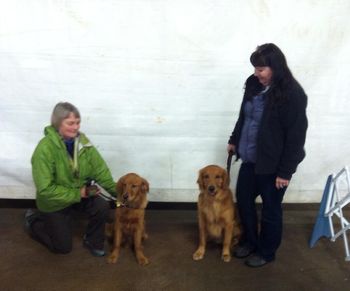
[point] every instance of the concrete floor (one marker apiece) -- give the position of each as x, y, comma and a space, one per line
26, 265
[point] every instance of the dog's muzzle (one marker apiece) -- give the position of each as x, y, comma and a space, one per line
125, 198
211, 190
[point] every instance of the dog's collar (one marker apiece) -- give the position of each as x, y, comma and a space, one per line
119, 204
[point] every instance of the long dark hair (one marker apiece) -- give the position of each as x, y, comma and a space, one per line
270, 55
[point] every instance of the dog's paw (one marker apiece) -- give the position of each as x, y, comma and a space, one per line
198, 255
112, 259
226, 258
143, 261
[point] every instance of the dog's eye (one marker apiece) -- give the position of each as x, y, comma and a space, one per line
134, 186
217, 177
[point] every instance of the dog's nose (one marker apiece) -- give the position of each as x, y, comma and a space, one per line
211, 188
125, 196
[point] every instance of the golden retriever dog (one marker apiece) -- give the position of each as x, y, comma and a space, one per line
216, 212
130, 216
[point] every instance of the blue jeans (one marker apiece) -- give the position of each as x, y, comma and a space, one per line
249, 186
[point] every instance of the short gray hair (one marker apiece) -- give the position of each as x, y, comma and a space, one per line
62, 111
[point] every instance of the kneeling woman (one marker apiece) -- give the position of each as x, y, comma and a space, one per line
62, 163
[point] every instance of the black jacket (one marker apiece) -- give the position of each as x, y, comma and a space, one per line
282, 131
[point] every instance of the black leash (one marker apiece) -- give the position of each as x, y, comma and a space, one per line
229, 161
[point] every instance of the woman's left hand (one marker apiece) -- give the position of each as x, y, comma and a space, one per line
281, 183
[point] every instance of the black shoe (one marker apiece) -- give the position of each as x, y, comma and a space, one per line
95, 252
242, 252
29, 216
256, 261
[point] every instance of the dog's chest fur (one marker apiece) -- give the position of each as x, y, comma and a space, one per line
216, 212
213, 212
130, 219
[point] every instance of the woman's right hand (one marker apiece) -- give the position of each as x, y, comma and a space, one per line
231, 148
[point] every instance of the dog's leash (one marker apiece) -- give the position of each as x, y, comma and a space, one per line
229, 161
116, 203
106, 196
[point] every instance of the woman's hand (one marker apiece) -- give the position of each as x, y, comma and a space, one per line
89, 191
83, 193
231, 148
281, 183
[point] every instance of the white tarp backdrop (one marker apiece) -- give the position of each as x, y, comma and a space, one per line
159, 83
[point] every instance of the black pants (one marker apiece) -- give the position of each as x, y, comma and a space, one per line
249, 187
54, 229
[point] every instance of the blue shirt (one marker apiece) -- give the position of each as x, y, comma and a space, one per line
253, 111
70, 146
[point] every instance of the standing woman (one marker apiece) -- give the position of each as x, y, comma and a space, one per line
62, 163
269, 138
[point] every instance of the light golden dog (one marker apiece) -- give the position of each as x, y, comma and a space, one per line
130, 216
216, 211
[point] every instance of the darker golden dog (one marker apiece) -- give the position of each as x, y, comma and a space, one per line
130, 216
216, 211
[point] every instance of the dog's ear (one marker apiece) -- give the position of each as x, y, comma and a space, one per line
145, 186
226, 179
200, 180
119, 185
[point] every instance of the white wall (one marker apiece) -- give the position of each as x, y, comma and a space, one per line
159, 83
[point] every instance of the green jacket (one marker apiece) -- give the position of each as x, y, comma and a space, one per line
58, 178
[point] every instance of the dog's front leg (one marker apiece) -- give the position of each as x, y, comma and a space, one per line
118, 235
228, 229
142, 260
199, 253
